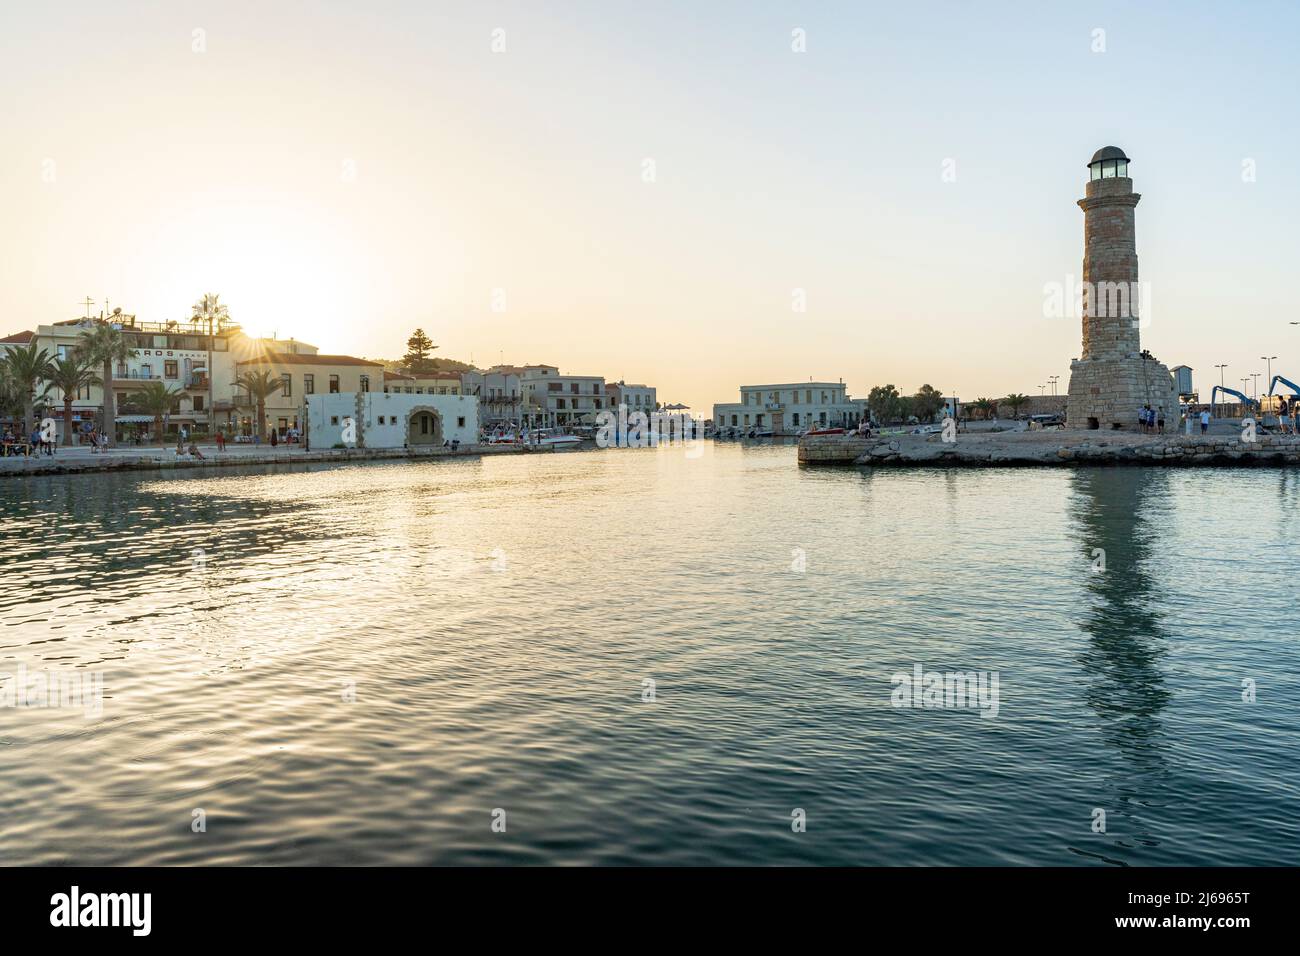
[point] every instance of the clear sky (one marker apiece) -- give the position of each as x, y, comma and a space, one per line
344, 172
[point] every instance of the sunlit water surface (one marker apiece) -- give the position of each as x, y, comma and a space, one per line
497, 622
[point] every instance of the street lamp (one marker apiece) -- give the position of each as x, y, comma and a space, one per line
1053, 380
1255, 376
1269, 360
1221, 382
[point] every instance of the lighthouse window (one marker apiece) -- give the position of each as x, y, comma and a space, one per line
1108, 169
1122, 168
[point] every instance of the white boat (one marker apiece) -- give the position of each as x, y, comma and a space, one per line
552, 438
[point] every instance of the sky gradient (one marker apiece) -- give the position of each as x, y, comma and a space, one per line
343, 175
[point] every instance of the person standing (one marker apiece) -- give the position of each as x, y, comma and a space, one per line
1205, 420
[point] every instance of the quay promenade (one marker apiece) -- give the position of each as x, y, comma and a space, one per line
77, 460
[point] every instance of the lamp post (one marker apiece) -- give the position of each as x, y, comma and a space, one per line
1053, 380
1042, 391
1269, 360
1221, 382
1255, 376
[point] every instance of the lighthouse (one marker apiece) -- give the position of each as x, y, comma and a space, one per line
1114, 377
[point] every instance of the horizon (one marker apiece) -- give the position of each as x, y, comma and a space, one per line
651, 203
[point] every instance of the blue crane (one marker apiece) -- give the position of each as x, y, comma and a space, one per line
1285, 381
1245, 399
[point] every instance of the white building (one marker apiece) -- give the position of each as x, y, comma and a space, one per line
637, 398
390, 420
551, 399
499, 393
792, 408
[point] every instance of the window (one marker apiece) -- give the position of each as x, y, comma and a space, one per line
460, 422
309, 384
334, 420
198, 403
796, 418
559, 403
334, 384
381, 419
365, 383
286, 384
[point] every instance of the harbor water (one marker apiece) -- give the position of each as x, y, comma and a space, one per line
650, 656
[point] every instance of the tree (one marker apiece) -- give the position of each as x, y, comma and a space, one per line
1015, 402
210, 314
260, 386
418, 347
926, 403
883, 402
70, 375
25, 369
156, 398
105, 346
985, 407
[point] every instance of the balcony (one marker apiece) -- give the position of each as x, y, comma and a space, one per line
774, 406
196, 381
132, 375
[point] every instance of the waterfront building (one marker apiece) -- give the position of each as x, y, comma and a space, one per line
1114, 378
791, 408
637, 398
176, 353
499, 391
551, 399
302, 374
389, 419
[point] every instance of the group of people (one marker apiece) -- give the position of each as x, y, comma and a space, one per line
16, 443
1151, 420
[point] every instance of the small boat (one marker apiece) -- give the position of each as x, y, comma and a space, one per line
825, 431
553, 438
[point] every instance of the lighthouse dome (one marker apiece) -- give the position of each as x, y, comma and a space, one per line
1107, 163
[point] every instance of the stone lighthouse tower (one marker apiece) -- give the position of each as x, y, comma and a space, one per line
1114, 377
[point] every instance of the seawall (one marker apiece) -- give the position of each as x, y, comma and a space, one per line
1051, 449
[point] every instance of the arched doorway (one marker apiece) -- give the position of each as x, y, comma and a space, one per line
423, 427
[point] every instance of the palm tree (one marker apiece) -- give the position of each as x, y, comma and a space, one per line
984, 406
156, 398
26, 368
105, 346
70, 375
1015, 402
260, 386
210, 312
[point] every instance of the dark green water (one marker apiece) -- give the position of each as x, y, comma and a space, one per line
497, 622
